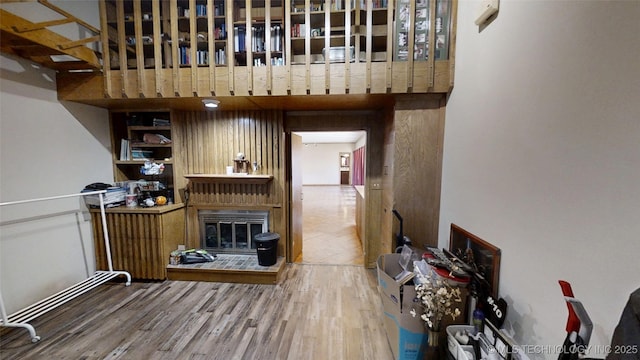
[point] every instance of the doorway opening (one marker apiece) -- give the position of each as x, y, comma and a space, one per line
331, 170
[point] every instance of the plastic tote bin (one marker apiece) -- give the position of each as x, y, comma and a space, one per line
267, 247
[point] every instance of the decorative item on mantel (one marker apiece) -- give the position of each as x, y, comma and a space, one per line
241, 165
438, 299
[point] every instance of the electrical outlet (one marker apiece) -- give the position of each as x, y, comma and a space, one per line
181, 247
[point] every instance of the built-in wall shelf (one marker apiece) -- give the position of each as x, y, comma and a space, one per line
229, 178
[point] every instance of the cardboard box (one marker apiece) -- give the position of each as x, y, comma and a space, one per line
406, 334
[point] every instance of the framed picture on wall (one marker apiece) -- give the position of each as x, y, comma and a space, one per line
344, 159
479, 254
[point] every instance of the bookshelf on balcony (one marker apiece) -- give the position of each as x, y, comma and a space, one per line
258, 39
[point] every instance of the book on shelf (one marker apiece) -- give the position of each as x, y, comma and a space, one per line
161, 122
239, 38
220, 57
125, 152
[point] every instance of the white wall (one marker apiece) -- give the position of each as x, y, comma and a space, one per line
542, 157
362, 141
47, 148
321, 163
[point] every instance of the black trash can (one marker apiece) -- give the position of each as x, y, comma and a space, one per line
267, 247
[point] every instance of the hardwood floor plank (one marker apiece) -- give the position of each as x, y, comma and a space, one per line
314, 312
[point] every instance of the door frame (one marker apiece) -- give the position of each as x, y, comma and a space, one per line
371, 122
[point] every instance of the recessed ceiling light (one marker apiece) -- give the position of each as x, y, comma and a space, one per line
210, 103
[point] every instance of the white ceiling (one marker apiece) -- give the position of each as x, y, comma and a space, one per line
329, 137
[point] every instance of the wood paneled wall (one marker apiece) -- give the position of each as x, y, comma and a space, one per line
416, 142
208, 142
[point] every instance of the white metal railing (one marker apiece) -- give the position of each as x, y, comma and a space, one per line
22, 317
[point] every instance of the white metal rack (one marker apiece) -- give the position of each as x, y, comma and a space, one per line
22, 317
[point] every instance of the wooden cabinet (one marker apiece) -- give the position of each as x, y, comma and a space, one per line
141, 239
140, 138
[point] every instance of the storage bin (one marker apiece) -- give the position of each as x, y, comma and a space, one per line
456, 349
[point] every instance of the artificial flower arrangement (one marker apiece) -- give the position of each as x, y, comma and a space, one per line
437, 297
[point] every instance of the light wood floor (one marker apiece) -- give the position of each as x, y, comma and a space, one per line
329, 226
315, 312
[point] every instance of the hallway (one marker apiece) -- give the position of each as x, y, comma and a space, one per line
329, 226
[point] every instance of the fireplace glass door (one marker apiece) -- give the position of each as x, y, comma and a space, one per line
232, 232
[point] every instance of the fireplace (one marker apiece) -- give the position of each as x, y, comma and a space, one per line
231, 231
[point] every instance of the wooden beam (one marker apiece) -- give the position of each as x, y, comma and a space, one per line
41, 25
72, 44
70, 16
46, 38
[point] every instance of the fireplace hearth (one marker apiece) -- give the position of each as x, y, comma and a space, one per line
231, 231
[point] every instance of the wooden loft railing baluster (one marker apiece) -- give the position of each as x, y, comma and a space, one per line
122, 48
369, 44
174, 47
327, 45
452, 42
286, 27
106, 54
307, 46
390, 34
412, 38
169, 61
212, 47
137, 24
347, 46
157, 48
249, 46
267, 40
432, 45
230, 46
193, 57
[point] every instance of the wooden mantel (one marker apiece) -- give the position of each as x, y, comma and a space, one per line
229, 178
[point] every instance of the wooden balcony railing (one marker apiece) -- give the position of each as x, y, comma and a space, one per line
166, 48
